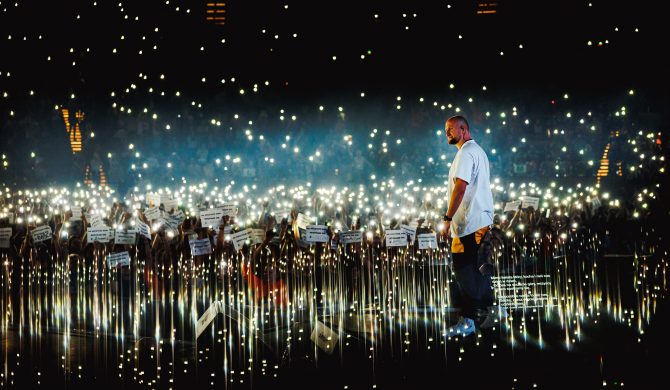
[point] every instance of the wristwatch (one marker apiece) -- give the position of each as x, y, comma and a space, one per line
446, 218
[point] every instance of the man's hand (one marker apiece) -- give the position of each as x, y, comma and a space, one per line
446, 232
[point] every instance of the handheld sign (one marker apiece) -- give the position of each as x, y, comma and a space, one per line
512, 206
211, 218
152, 213
281, 214
76, 213
41, 233
256, 236
5, 235
352, 237
143, 229
396, 238
411, 230
153, 199
324, 337
96, 221
427, 241
125, 237
207, 318
595, 203
170, 204
99, 234
201, 247
118, 259
304, 220
528, 201
240, 238
228, 209
316, 233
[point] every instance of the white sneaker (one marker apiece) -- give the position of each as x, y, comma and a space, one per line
494, 316
464, 327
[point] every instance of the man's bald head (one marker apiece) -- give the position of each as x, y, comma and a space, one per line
457, 130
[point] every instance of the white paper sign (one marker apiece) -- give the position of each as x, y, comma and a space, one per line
125, 238
240, 238
324, 337
118, 259
512, 206
304, 220
528, 201
5, 235
427, 241
171, 224
211, 218
228, 209
41, 233
207, 318
165, 198
76, 213
152, 213
201, 247
257, 236
96, 221
595, 203
281, 214
316, 233
154, 199
143, 229
352, 237
100, 234
170, 204
396, 238
411, 230
177, 216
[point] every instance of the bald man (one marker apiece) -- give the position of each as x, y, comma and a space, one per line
467, 220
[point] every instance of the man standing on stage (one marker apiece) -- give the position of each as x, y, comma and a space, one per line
467, 220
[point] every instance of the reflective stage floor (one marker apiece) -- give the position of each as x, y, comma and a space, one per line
581, 318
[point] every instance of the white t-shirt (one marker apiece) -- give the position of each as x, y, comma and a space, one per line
476, 209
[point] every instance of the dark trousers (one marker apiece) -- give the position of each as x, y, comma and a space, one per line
474, 289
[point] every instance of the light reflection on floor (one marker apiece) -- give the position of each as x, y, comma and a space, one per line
81, 322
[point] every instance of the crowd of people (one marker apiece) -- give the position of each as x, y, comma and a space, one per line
525, 234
